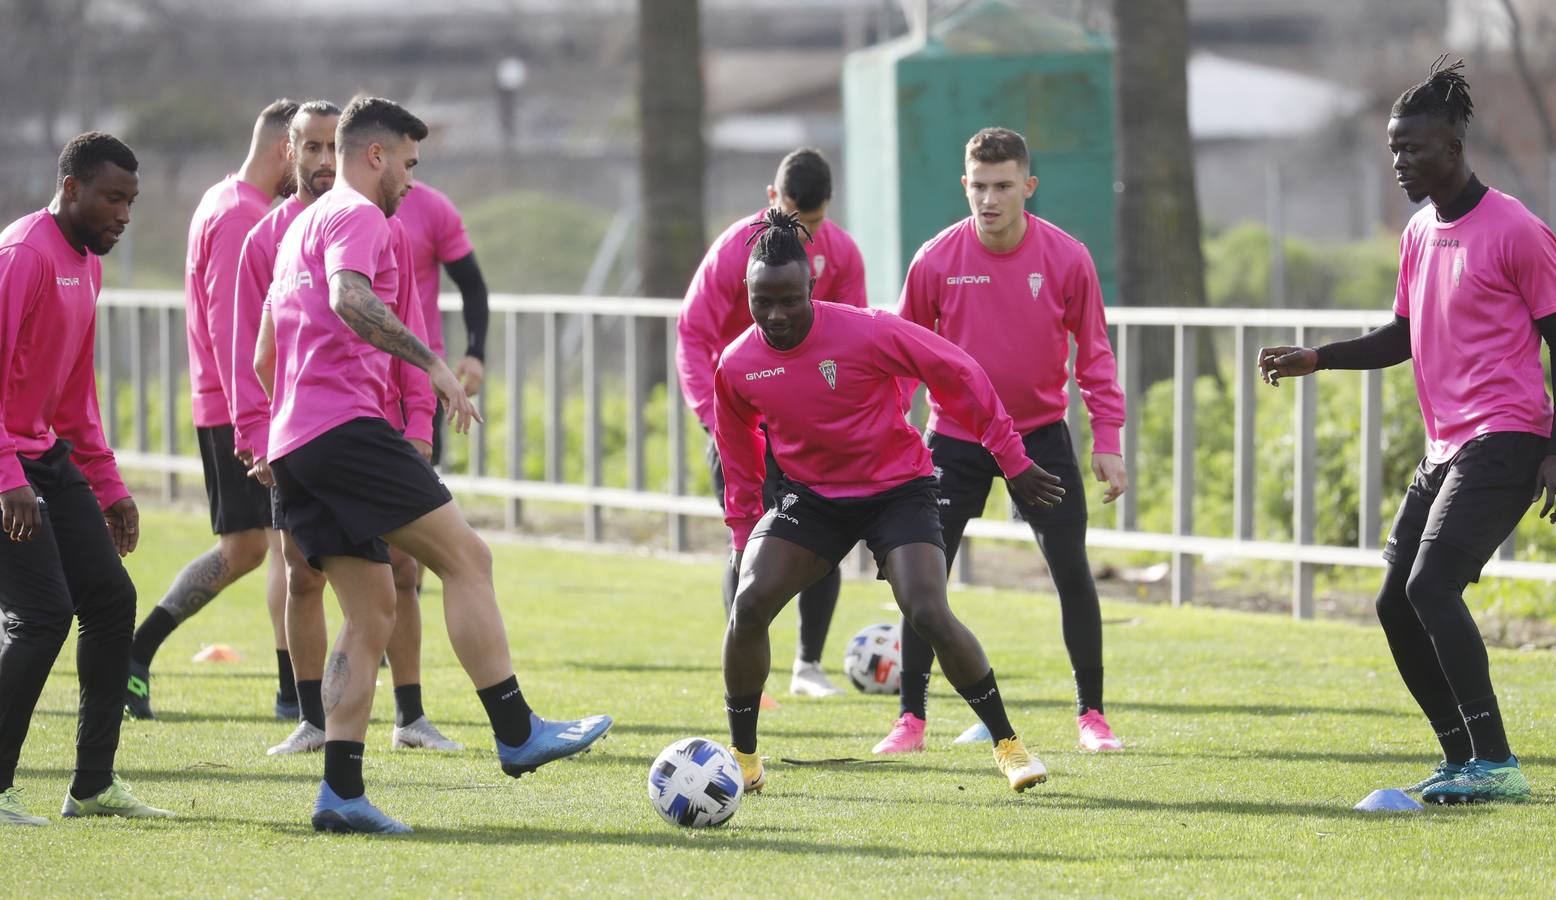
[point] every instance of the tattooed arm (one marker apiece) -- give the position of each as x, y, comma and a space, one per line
352, 298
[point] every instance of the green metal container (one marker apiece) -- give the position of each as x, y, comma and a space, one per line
910, 105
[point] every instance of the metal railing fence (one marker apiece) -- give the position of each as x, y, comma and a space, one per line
141, 342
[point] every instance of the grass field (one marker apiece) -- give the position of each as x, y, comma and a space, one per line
1249, 739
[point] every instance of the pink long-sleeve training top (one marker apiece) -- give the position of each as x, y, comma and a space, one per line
715, 310
48, 387
224, 217
1014, 312
833, 409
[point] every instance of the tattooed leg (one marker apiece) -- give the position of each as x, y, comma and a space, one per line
366, 593
234, 556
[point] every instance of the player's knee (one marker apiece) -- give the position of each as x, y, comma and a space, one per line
107, 608
469, 557
405, 571
930, 621
303, 581
43, 629
245, 550
749, 615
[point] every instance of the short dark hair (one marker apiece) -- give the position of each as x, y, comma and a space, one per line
1445, 94
805, 178
315, 108
279, 113
366, 116
778, 240
86, 154
997, 145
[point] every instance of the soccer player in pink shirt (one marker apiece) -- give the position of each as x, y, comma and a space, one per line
350, 484
240, 508
823, 378
716, 312
1477, 291
1012, 290
438, 239
408, 407
66, 513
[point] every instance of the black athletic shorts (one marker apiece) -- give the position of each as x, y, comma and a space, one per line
238, 502
437, 434
769, 481
906, 514
965, 471
1471, 502
345, 488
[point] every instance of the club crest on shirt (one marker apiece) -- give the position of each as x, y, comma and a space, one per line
828, 369
1035, 282
818, 264
1458, 268
939, 473
788, 501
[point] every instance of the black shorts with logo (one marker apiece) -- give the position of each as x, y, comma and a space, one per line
238, 502
830, 527
345, 488
966, 471
1471, 502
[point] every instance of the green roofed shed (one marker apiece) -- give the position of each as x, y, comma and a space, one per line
909, 106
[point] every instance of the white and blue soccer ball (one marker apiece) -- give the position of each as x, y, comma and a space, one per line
873, 660
695, 783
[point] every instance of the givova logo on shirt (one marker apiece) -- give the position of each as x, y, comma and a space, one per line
967, 279
67, 280
765, 373
292, 282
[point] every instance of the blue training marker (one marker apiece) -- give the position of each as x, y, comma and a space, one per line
973, 735
1389, 800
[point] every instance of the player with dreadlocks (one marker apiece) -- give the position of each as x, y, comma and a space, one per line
715, 312
823, 377
1477, 290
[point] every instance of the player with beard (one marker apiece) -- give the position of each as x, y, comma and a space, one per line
312, 150
1476, 292
350, 484
240, 509
67, 516
824, 378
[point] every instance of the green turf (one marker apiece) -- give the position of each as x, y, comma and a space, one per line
1249, 739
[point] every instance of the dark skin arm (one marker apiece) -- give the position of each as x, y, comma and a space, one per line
20, 513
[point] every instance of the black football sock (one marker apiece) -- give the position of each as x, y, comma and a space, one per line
1483, 720
89, 783
343, 768
407, 703
1088, 690
507, 711
984, 698
310, 698
1455, 740
287, 691
150, 635
743, 712
914, 694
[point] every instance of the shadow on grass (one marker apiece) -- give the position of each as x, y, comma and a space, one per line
1123, 708
176, 716
736, 837
642, 668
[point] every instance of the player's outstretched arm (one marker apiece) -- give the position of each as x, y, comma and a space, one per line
352, 298
1380, 348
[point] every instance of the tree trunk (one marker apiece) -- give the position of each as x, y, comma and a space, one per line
671, 160
1159, 259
